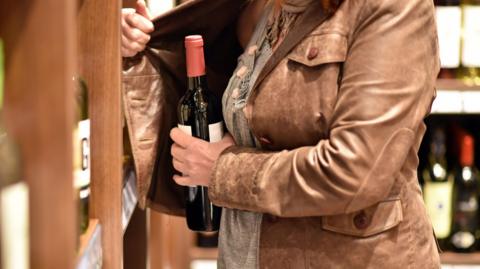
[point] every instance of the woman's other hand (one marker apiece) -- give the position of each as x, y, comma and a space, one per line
136, 27
195, 158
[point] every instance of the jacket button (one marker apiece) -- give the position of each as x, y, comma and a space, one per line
361, 220
312, 53
265, 141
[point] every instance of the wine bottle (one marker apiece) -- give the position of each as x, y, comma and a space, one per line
449, 26
465, 218
438, 187
14, 242
82, 154
199, 115
471, 42
207, 239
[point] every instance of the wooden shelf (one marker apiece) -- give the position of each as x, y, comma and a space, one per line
90, 253
460, 260
454, 84
129, 198
197, 253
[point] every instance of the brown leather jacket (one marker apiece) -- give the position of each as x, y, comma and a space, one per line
339, 108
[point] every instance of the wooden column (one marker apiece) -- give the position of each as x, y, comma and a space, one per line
40, 61
100, 65
169, 242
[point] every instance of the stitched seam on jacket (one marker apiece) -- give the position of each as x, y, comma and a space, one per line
398, 219
379, 157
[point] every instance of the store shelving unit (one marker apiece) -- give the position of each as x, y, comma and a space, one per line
457, 98
46, 43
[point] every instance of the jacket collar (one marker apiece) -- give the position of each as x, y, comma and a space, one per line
305, 24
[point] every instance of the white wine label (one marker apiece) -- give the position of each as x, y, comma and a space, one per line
215, 132
84, 194
438, 201
82, 169
186, 129
449, 27
14, 227
471, 36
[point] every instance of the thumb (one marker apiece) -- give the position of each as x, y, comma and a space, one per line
141, 8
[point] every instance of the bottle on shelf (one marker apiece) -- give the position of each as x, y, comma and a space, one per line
470, 58
200, 115
81, 153
438, 187
449, 27
466, 195
14, 237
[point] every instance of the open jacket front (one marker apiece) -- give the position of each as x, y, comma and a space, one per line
339, 109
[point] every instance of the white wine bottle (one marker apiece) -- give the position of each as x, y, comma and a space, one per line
438, 187
449, 28
81, 153
14, 239
471, 42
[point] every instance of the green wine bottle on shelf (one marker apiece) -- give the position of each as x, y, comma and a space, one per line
81, 150
438, 187
470, 60
449, 28
14, 242
465, 218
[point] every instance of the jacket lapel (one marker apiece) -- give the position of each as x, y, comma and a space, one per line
306, 23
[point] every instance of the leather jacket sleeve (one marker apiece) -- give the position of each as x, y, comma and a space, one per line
385, 93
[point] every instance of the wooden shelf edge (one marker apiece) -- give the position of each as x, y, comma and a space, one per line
451, 258
454, 84
90, 252
129, 198
197, 253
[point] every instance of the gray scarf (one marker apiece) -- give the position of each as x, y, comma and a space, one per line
281, 20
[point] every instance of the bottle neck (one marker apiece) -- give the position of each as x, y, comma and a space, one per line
466, 151
197, 83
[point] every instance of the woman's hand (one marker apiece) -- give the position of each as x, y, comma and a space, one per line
136, 27
195, 158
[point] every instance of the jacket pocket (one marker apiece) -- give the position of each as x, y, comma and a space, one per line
320, 49
367, 222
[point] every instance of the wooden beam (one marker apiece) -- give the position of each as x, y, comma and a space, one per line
100, 65
40, 62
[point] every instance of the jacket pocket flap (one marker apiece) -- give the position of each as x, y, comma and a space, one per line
366, 222
320, 49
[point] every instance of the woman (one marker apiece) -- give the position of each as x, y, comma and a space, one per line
325, 107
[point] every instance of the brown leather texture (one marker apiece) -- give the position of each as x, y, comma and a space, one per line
341, 116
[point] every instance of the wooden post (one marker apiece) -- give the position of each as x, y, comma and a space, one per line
100, 65
40, 61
